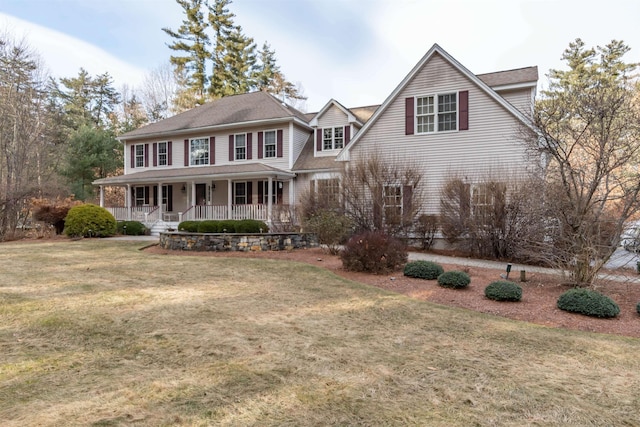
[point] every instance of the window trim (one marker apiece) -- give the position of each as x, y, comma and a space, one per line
235, 146
205, 160
139, 157
436, 113
398, 198
275, 144
166, 153
333, 138
235, 192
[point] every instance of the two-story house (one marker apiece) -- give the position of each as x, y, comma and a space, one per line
252, 156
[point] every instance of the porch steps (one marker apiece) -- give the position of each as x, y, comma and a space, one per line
160, 226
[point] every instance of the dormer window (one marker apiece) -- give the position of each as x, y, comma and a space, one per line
333, 138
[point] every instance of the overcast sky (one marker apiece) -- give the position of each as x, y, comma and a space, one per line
356, 51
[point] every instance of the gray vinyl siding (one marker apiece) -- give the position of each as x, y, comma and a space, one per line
522, 99
489, 146
332, 117
300, 137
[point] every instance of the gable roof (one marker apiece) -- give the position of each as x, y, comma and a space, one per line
230, 110
527, 76
364, 113
435, 49
351, 118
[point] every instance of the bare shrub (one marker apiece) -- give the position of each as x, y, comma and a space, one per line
373, 252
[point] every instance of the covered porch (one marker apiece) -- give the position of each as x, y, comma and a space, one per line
258, 192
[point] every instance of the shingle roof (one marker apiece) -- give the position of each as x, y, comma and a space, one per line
509, 77
228, 110
364, 113
177, 174
308, 162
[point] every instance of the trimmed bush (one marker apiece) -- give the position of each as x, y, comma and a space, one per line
89, 221
454, 279
588, 302
251, 226
503, 290
131, 228
189, 226
208, 227
373, 252
428, 270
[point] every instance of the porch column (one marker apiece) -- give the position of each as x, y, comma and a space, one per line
193, 193
127, 201
269, 201
102, 196
159, 202
229, 199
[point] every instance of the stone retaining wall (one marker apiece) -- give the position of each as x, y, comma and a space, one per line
237, 242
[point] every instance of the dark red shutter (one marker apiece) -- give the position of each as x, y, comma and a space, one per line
249, 192
260, 143
155, 154
249, 156
169, 198
146, 155
186, 152
377, 208
463, 106
347, 134
169, 159
231, 148
133, 155
408, 116
407, 203
156, 201
318, 139
279, 143
212, 150
146, 195
261, 195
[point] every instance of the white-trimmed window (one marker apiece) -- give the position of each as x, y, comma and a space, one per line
199, 151
328, 191
437, 113
140, 196
240, 193
392, 202
163, 156
486, 197
269, 144
240, 146
139, 153
333, 138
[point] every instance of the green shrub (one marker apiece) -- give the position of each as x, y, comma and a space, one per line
131, 228
454, 279
251, 226
332, 228
189, 226
373, 252
503, 290
227, 226
89, 221
208, 226
428, 270
588, 302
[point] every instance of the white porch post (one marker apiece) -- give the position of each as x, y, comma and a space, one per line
193, 193
229, 199
159, 202
127, 201
269, 201
102, 196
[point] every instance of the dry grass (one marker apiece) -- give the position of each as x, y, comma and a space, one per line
100, 333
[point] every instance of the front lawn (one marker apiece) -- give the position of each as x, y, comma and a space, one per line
96, 332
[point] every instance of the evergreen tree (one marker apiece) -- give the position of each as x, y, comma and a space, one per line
221, 22
239, 63
191, 39
266, 69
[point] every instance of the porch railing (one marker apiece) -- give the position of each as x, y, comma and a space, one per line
200, 212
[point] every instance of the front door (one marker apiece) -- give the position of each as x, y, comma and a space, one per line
201, 194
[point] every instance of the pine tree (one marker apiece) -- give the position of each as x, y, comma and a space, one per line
239, 63
192, 39
266, 69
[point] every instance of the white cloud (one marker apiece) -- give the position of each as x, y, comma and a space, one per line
64, 55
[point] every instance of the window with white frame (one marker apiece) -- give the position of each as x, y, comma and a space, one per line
199, 151
276, 192
140, 196
485, 198
270, 144
139, 155
333, 138
392, 202
240, 193
240, 146
162, 154
437, 113
328, 192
